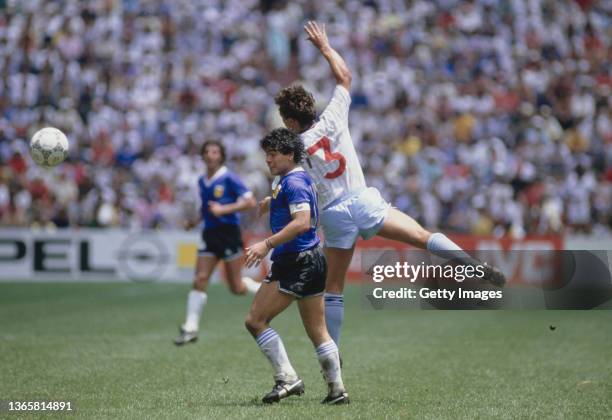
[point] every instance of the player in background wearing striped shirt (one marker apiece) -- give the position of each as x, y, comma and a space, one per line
348, 207
223, 195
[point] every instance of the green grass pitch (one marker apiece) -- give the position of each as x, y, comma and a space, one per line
108, 349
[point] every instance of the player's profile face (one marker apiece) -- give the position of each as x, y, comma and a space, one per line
212, 156
278, 163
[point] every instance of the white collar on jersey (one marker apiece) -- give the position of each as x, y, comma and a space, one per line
221, 171
296, 169
277, 178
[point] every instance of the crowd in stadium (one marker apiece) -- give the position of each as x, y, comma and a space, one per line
485, 117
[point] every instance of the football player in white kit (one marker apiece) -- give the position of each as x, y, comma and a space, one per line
348, 208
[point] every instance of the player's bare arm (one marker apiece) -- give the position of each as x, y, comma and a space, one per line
300, 223
316, 35
244, 203
264, 206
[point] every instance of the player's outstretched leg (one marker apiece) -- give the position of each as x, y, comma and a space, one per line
196, 300
268, 303
403, 228
311, 311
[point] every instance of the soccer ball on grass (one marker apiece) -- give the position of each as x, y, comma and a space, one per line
49, 147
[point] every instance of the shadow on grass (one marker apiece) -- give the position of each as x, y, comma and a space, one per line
256, 402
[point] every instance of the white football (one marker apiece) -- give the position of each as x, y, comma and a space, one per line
49, 147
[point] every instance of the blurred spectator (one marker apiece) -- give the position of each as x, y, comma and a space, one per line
483, 116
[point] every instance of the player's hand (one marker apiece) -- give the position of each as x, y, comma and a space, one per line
256, 253
316, 34
264, 206
216, 209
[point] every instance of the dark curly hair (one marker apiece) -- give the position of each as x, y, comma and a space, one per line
285, 142
297, 103
214, 143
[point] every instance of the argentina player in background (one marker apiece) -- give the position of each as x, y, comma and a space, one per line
348, 207
298, 271
222, 194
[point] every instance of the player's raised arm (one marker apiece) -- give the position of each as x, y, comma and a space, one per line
316, 35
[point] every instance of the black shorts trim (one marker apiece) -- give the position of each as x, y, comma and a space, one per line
300, 274
223, 242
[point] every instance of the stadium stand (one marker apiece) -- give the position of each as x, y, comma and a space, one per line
488, 117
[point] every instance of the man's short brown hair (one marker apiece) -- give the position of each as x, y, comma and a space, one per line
297, 103
217, 143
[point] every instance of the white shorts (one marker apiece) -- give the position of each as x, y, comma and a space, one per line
360, 214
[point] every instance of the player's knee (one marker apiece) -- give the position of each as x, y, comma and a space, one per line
255, 324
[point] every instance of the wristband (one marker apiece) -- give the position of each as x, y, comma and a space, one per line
269, 243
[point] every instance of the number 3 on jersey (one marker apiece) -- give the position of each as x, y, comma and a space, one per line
329, 157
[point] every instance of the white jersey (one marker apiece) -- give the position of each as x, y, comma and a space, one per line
331, 160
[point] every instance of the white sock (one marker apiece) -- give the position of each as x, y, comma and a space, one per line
329, 359
251, 285
195, 302
272, 346
334, 315
439, 244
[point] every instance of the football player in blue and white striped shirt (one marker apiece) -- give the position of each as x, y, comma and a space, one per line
298, 271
